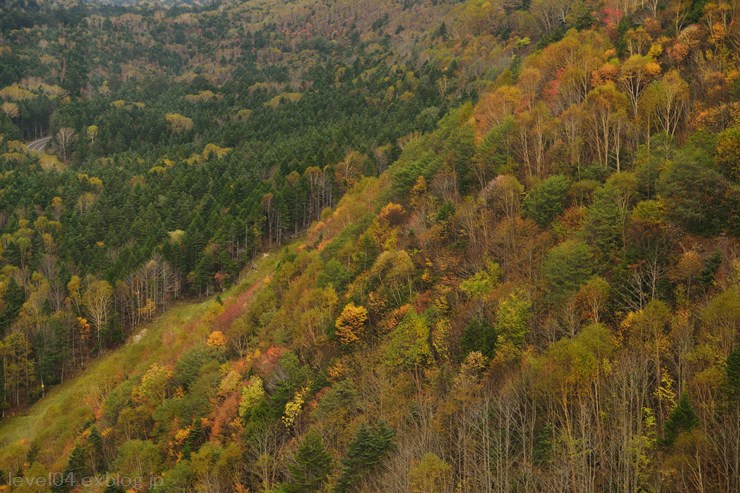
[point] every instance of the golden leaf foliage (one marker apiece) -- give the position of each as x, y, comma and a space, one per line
252, 394
178, 123
351, 323
217, 339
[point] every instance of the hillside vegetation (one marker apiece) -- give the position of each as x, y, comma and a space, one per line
503, 246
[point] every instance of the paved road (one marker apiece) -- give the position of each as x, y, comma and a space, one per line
40, 144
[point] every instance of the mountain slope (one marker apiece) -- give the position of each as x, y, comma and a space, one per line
53, 423
505, 248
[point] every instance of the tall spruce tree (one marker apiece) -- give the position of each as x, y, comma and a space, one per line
366, 453
312, 466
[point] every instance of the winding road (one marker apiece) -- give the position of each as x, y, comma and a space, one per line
39, 144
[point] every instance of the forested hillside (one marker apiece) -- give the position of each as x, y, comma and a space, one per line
447, 246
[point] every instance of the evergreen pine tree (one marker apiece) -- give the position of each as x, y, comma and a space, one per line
312, 466
14, 299
681, 419
74, 472
95, 442
366, 452
731, 388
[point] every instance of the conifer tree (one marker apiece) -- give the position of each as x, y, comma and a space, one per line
312, 466
366, 453
681, 419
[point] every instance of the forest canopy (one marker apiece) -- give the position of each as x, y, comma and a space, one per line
418, 246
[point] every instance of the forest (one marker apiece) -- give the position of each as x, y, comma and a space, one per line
418, 246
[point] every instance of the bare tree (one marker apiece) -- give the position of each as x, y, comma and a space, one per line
65, 137
97, 300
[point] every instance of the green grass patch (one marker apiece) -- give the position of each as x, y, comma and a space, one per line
55, 421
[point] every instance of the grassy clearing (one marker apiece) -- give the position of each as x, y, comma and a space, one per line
55, 421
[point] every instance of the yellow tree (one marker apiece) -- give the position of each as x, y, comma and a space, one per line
57, 207
92, 133
570, 64
570, 373
647, 330
495, 107
152, 390
552, 14
635, 74
252, 394
571, 122
74, 287
179, 123
10, 109
431, 474
667, 100
351, 323
217, 339
535, 136
17, 365
607, 110
592, 297
349, 169
530, 82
